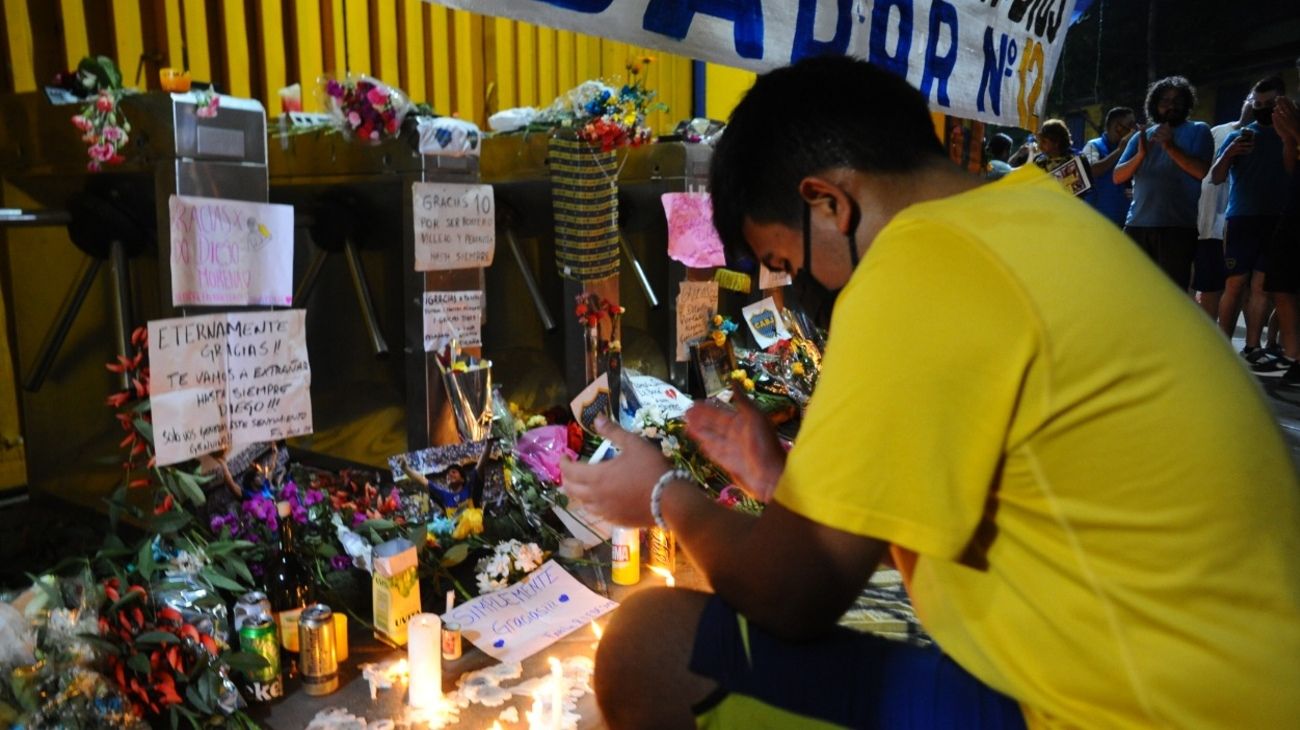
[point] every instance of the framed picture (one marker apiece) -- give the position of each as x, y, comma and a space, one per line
711, 366
1074, 176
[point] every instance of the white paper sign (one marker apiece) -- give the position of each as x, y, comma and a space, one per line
655, 393
648, 392
769, 279
455, 226
979, 60
765, 323
452, 315
697, 302
514, 623
225, 379
230, 252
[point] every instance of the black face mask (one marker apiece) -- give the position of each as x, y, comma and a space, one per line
1264, 115
811, 295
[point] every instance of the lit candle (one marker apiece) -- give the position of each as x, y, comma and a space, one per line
424, 659
557, 693
663, 573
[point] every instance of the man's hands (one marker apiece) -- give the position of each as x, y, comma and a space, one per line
1240, 146
1286, 120
741, 441
1163, 135
619, 489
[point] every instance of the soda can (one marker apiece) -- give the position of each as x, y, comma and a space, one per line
257, 636
663, 549
317, 657
251, 605
451, 647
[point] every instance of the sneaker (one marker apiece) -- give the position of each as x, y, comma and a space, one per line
1271, 366
1253, 355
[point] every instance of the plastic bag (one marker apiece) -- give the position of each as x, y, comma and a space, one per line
541, 450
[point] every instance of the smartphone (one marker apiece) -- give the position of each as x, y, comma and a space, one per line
1247, 135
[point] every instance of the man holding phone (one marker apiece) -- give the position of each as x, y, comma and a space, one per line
1166, 163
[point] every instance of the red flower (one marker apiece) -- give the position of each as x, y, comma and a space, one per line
164, 507
104, 103
575, 436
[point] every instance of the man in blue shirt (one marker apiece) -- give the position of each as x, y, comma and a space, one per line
1110, 199
1251, 161
1166, 163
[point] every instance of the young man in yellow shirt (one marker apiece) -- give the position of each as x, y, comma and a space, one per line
1098, 519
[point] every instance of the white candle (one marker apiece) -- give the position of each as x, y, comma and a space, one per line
424, 657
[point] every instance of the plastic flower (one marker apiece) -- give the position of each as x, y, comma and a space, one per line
470, 523
719, 337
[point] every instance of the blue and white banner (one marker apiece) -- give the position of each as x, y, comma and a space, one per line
990, 60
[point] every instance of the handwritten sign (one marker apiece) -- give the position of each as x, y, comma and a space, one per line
455, 226
452, 315
225, 379
769, 279
765, 323
692, 239
514, 623
697, 302
230, 252
646, 391
989, 61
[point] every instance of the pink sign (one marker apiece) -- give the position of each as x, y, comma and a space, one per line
692, 239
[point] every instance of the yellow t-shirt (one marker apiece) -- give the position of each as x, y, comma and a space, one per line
1106, 516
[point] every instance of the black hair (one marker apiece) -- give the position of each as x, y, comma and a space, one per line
999, 146
1158, 89
1058, 132
1118, 112
1271, 83
818, 114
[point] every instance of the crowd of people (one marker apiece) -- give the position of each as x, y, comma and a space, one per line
1217, 208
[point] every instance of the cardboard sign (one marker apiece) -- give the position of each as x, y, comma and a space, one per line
697, 302
978, 60
455, 226
692, 239
1073, 176
452, 315
225, 379
765, 323
514, 623
230, 252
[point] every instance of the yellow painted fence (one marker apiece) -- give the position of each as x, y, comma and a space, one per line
458, 62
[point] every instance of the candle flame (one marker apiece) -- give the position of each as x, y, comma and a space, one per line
663, 573
496, 726
595, 629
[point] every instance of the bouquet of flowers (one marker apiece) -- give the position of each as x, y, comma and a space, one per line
509, 561
618, 118
367, 108
104, 130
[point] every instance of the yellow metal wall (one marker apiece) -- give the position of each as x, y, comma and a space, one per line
459, 62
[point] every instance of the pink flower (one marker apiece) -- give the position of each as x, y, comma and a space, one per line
92, 166
104, 103
209, 110
374, 134
354, 119
101, 152
377, 97
82, 123
114, 134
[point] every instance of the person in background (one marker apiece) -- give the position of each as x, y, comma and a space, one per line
1282, 279
1209, 273
1166, 163
1053, 487
999, 150
1054, 145
1250, 159
1101, 153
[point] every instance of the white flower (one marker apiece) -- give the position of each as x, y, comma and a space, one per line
487, 584
529, 557
669, 446
507, 547
498, 566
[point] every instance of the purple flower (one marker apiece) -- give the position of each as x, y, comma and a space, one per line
220, 522
313, 497
289, 490
340, 562
299, 513
358, 517
333, 88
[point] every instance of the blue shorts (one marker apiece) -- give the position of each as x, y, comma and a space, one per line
1246, 239
846, 679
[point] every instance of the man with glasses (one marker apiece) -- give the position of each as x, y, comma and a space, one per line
1251, 160
1110, 199
1166, 162
1016, 405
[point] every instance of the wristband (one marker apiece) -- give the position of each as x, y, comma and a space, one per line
657, 494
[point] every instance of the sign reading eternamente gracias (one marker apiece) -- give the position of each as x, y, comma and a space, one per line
990, 60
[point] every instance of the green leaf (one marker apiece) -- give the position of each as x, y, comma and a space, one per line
169, 522
174, 717
139, 663
220, 581
196, 699
455, 555
157, 637
244, 661
189, 487
145, 428
144, 560
376, 524
239, 568
100, 643
125, 599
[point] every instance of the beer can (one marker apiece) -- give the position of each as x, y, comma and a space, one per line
663, 549
257, 636
451, 647
625, 556
251, 605
317, 657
